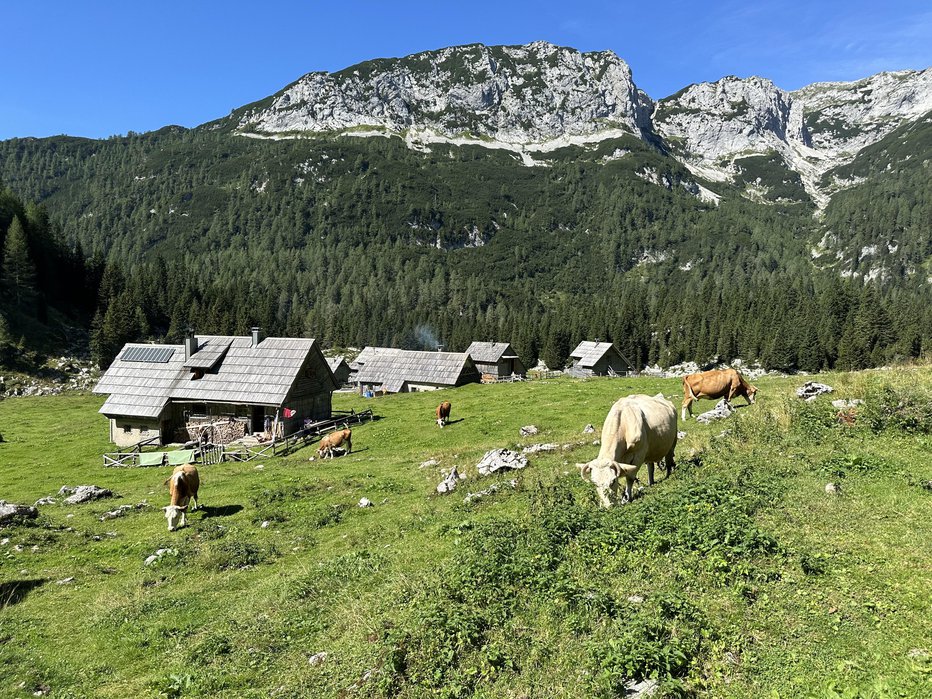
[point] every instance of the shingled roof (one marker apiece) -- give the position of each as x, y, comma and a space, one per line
392, 368
589, 353
489, 352
141, 382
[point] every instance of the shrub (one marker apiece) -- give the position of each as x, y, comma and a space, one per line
660, 639
907, 410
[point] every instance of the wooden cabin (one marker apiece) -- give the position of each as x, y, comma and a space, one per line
340, 369
230, 384
496, 360
597, 359
389, 370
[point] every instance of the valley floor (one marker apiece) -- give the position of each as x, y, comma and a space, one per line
739, 576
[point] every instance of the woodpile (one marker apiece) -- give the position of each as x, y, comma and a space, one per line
217, 432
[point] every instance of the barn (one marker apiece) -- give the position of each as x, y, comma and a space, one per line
597, 359
230, 385
496, 360
401, 371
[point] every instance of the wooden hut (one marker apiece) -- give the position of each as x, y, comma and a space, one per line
496, 360
340, 369
400, 371
597, 359
230, 385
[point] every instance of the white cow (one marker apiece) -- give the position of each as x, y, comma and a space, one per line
637, 429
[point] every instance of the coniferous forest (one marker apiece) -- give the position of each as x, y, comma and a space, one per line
359, 241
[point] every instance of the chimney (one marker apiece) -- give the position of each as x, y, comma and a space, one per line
257, 336
190, 344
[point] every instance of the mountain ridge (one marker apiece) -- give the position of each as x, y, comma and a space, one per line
539, 97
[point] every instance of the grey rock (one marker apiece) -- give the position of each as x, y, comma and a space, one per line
497, 459
48, 500
642, 689
494, 488
449, 483
84, 493
317, 658
157, 556
832, 489
364, 502
10, 511
528, 430
535, 448
429, 463
721, 411
589, 429
812, 390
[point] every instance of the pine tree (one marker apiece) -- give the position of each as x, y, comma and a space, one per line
19, 271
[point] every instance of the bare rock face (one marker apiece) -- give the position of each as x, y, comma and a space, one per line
10, 512
517, 95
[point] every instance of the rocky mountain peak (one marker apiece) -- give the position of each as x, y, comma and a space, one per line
518, 95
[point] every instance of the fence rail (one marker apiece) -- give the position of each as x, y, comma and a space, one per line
217, 453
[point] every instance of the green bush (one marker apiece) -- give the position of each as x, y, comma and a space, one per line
903, 409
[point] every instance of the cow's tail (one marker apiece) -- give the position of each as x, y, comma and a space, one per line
692, 394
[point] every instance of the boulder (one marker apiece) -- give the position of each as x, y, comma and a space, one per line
83, 493
10, 512
813, 389
497, 459
589, 429
721, 411
528, 430
449, 483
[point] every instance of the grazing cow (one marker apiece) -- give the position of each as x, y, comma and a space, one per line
340, 438
718, 383
443, 413
182, 485
638, 429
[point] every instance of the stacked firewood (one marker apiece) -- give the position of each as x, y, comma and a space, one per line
219, 432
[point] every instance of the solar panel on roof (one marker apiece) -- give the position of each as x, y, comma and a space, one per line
150, 355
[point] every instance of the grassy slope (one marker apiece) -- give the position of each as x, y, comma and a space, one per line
777, 587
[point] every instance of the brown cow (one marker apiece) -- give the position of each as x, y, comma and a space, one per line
718, 383
443, 413
340, 438
182, 485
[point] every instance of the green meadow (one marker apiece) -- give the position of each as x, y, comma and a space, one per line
738, 576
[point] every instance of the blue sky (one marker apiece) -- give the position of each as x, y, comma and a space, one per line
100, 68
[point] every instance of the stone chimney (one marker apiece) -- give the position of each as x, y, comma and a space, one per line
257, 336
190, 344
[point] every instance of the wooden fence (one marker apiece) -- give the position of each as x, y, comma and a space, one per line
218, 453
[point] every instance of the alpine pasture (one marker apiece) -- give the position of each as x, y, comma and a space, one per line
739, 576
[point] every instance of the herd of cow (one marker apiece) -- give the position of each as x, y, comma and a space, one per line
638, 430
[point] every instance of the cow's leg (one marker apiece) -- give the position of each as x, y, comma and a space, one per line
650, 473
669, 462
687, 406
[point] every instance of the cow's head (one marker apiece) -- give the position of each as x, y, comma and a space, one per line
441, 421
603, 473
751, 390
175, 516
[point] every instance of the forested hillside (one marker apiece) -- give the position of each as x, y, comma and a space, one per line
364, 241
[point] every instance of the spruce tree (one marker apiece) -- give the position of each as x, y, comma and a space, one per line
19, 271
